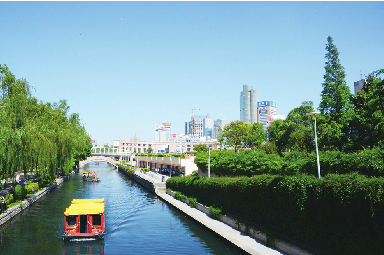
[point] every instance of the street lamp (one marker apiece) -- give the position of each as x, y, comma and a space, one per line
317, 150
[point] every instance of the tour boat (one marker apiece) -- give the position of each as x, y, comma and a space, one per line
84, 218
90, 176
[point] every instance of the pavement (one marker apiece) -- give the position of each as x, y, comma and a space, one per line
246, 243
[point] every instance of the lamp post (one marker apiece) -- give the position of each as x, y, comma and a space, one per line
170, 170
317, 150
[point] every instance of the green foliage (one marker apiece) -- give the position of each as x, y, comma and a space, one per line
29, 186
242, 135
215, 212
295, 133
192, 202
9, 199
200, 148
335, 104
323, 213
19, 192
149, 150
145, 169
37, 135
127, 168
368, 121
179, 196
249, 163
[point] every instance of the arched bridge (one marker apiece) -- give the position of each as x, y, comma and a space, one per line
109, 160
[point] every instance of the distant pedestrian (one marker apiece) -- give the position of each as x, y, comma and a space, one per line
3, 203
33, 190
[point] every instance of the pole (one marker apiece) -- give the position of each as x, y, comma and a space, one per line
209, 162
317, 152
170, 170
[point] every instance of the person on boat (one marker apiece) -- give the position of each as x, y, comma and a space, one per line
84, 177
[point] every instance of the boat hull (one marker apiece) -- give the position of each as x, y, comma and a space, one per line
68, 236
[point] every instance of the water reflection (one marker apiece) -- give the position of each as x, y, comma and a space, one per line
84, 247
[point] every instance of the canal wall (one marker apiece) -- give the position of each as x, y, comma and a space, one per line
155, 183
15, 210
274, 243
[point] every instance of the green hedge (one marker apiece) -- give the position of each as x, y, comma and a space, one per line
337, 214
249, 163
19, 192
126, 168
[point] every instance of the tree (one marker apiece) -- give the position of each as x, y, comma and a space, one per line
242, 135
369, 113
335, 104
200, 148
256, 137
149, 150
295, 133
335, 97
36, 136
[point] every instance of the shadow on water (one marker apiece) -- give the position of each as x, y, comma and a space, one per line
136, 222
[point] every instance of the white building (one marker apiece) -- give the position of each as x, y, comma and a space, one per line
163, 132
248, 104
137, 146
208, 127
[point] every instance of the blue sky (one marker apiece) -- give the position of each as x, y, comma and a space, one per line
163, 59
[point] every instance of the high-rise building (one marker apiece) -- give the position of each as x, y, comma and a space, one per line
358, 85
219, 123
208, 127
248, 104
199, 126
266, 110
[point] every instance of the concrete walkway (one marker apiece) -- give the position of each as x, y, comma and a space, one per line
236, 237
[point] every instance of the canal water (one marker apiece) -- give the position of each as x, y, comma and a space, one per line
137, 222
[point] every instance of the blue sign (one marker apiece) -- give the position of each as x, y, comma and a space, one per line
266, 103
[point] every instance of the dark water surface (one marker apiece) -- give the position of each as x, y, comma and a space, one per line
137, 222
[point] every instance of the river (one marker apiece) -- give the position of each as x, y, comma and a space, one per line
137, 222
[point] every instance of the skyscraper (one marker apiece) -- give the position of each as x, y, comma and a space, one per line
248, 104
266, 112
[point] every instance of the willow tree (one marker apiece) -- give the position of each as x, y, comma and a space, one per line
34, 135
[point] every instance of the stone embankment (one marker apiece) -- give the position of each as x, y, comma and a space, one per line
13, 211
244, 237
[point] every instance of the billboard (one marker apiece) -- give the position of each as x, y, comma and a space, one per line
266, 103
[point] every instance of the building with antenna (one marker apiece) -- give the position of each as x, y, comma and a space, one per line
248, 104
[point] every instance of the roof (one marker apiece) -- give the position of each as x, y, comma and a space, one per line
85, 206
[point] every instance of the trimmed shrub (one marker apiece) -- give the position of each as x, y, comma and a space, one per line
9, 198
19, 192
337, 214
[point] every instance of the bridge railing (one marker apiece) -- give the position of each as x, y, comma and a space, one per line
110, 151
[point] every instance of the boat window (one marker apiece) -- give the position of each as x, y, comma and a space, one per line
96, 219
71, 220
